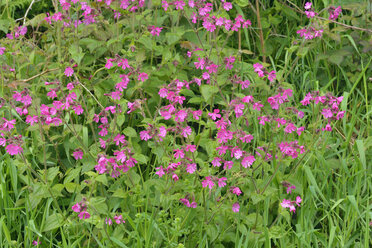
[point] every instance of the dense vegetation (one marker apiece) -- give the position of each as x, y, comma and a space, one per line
194, 123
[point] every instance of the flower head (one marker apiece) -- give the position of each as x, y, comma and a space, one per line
69, 71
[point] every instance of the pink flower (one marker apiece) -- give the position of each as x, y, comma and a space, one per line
123, 63
162, 132
108, 221
179, 4
221, 182
84, 215
143, 77
248, 161
13, 149
165, 5
78, 109
70, 86
76, 208
163, 92
289, 188
208, 183
298, 200
180, 116
185, 202
119, 219
228, 165
334, 13
290, 128
102, 143
115, 95
144, 135
327, 113
215, 114
235, 207
2, 50
196, 114
271, 76
236, 191
328, 128
216, 162
258, 69
300, 130
290, 204
109, 63
160, 171
257, 106
227, 6
154, 30
175, 177
69, 71
340, 115
186, 131
36, 242
308, 5
179, 153
78, 154
191, 168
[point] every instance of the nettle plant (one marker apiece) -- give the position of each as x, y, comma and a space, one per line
144, 118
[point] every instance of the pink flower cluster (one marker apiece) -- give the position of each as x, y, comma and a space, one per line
154, 30
202, 10
114, 166
334, 12
185, 163
309, 11
259, 69
330, 106
291, 204
310, 33
18, 31
36, 242
117, 218
187, 203
291, 149
81, 208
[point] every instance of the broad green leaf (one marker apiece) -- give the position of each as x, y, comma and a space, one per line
207, 91
52, 222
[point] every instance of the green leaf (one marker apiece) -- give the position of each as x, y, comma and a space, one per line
241, 3
99, 204
72, 174
142, 159
146, 41
172, 38
256, 198
76, 53
118, 242
52, 173
91, 44
130, 132
71, 187
52, 222
102, 178
207, 91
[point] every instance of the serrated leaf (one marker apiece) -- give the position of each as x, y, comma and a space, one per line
142, 159
52, 173
72, 174
207, 91
102, 178
130, 132
52, 222
76, 53
99, 204
71, 187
